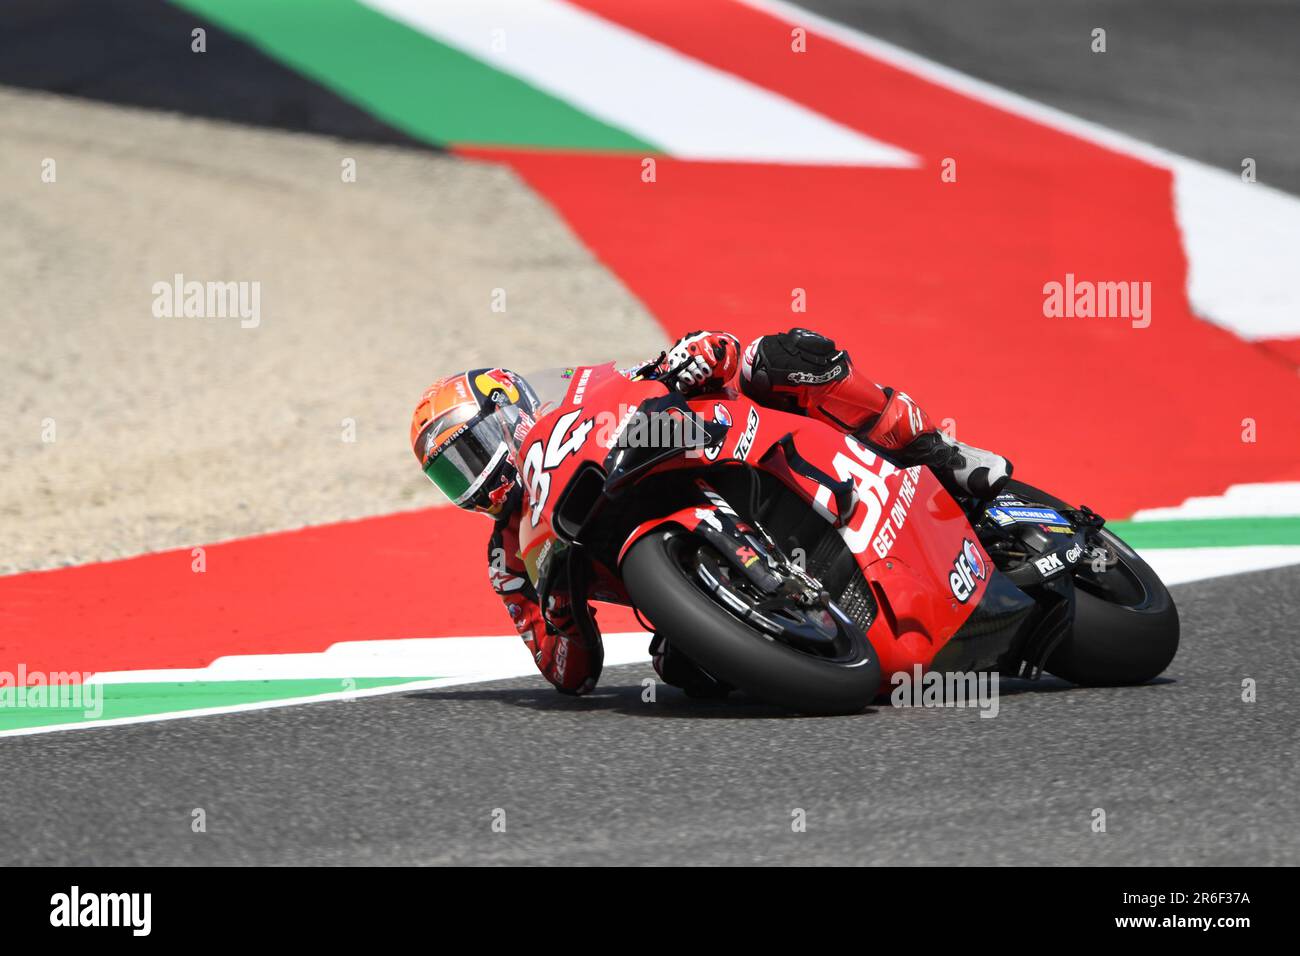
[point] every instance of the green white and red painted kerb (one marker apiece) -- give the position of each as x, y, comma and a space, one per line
774, 170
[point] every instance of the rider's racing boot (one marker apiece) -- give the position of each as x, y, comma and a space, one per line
803, 371
963, 469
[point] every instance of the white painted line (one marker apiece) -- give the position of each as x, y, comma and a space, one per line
258, 705
619, 650
1242, 242
453, 658
228, 709
1183, 565
1274, 499
689, 109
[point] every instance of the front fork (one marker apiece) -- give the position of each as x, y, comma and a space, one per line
746, 547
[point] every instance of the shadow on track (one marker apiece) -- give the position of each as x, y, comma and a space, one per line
671, 703
623, 699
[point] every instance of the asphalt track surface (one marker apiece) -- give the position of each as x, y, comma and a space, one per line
1212, 80
137, 53
1186, 771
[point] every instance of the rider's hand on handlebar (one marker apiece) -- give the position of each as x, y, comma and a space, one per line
700, 361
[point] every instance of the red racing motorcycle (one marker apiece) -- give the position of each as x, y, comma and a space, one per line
791, 562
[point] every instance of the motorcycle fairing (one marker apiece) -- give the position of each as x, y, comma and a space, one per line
905, 532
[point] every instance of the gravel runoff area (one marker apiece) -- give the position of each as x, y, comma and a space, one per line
125, 432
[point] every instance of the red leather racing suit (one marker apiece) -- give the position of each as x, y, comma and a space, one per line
797, 371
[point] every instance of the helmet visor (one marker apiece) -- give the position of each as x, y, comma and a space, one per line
467, 459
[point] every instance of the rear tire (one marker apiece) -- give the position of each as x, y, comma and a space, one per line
1125, 630
733, 652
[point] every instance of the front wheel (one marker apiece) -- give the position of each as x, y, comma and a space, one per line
1125, 622
681, 584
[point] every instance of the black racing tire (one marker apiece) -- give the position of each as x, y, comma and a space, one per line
733, 652
1126, 633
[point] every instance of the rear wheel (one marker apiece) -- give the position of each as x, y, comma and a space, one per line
1125, 627
820, 664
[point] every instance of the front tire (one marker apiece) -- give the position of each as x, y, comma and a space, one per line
661, 584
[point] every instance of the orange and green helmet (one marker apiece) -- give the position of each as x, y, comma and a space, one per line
466, 431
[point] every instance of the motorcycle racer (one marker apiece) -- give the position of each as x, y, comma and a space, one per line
466, 428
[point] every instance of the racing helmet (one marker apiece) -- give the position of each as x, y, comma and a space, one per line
466, 432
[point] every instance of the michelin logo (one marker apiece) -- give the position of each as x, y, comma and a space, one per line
1005, 516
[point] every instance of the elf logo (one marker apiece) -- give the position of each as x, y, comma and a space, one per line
967, 569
